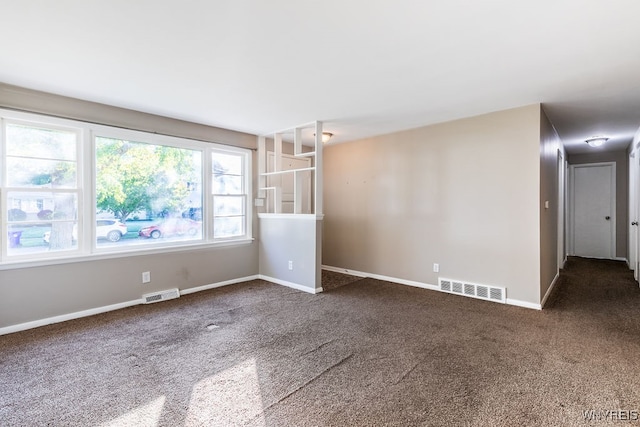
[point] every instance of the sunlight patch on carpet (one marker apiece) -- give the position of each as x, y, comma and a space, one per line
231, 397
143, 416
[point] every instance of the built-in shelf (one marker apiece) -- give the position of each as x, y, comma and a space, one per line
307, 154
302, 183
312, 168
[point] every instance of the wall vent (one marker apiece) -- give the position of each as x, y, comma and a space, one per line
161, 296
489, 293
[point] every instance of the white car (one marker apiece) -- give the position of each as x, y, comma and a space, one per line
110, 229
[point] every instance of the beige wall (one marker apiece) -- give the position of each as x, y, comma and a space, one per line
32, 294
621, 159
35, 293
549, 147
464, 194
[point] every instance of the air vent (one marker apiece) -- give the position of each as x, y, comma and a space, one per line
457, 287
496, 294
161, 296
489, 293
482, 291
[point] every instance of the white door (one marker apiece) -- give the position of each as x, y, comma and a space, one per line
593, 210
634, 200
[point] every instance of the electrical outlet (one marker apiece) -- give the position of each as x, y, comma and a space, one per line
290, 265
436, 268
146, 276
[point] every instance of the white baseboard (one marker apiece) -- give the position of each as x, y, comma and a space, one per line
345, 271
98, 310
546, 295
219, 284
290, 284
564, 261
64, 317
381, 277
525, 304
509, 301
112, 307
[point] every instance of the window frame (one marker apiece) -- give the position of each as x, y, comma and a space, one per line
87, 247
151, 139
37, 121
244, 194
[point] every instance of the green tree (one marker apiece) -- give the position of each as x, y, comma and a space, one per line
133, 176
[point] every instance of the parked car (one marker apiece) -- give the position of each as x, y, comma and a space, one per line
171, 227
193, 213
110, 229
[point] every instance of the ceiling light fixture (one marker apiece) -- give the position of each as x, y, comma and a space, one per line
596, 141
326, 136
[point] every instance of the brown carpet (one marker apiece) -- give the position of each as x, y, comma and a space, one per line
368, 353
332, 280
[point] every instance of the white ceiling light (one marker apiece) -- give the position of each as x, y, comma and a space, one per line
596, 141
326, 136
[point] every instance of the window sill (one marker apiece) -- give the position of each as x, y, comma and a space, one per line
291, 216
22, 263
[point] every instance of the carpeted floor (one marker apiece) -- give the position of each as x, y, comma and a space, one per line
367, 353
332, 280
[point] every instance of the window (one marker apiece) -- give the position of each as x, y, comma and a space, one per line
40, 187
71, 189
229, 194
153, 189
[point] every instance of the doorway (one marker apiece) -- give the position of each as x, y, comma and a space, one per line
593, 210
634, 211
562, 202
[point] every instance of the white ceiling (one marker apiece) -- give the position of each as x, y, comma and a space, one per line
365, 67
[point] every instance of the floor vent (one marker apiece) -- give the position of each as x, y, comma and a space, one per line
489, 293
161, 296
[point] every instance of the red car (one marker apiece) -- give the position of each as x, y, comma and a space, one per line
172, 227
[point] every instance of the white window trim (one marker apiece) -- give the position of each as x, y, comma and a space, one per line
247, 195
87, 249
36, 120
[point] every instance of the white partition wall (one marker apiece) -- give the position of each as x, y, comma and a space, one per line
291, 227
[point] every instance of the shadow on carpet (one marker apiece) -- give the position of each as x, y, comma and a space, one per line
332, 280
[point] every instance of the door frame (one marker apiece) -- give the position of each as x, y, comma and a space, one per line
636, 271
634, 210
562, 209
571, 216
